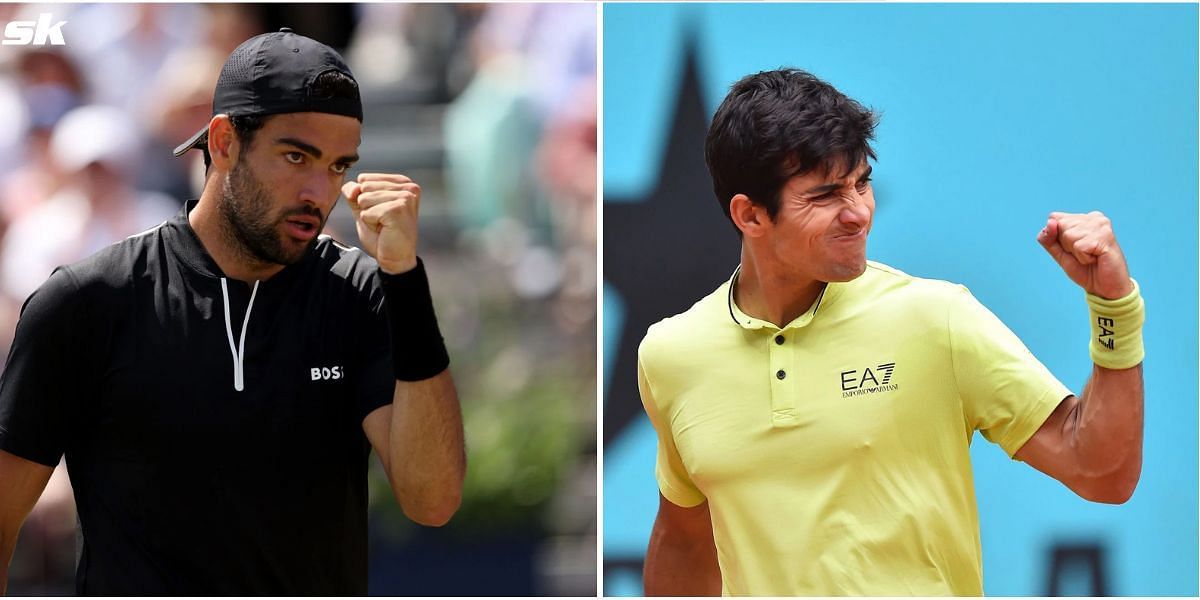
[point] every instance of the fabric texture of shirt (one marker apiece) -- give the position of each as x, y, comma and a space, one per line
834, 452
212, 429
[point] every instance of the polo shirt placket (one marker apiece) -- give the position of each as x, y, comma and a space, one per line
786, 376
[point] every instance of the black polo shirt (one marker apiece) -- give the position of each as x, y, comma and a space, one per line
212, 429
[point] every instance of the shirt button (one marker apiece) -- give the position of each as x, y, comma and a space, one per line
780, 374
779, 340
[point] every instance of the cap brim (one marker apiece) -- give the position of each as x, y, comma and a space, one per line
196, 141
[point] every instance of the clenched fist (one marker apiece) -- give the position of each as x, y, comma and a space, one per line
385, 214
1086, 249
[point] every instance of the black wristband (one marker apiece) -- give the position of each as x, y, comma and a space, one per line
418, 351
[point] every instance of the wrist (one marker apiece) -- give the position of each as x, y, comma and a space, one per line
397, 267
1116, 326
1114, 293
418, 351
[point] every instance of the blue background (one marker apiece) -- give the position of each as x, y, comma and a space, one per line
992, 116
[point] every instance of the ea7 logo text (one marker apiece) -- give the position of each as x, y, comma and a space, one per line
35, 33
1106, 332
868, 380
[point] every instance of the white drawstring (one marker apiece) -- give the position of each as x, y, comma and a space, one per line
239, 351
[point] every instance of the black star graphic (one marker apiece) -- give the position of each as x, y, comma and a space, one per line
665, 251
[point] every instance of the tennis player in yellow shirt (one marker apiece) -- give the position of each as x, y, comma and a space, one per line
814, 412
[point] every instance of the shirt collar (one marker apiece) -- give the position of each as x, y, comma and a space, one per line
187, 246
746, 321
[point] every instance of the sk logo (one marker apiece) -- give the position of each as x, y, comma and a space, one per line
868, 381
36, 33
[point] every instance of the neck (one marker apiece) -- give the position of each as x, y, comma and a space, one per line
768, 292
218, 239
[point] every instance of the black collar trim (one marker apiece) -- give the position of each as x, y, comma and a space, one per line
733, 282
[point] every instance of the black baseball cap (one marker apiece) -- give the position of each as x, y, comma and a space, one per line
272, 74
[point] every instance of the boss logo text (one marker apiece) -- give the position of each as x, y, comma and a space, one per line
326, 373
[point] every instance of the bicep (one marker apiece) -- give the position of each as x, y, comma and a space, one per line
1049, 450
376, 426
430, 403
24, 481
39, 405
673, 478
1006, 392
693, 523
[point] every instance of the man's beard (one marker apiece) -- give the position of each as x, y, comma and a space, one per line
245, 208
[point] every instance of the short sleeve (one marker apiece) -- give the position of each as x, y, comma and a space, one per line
376, 383
672, 476
39, 388
1006, 392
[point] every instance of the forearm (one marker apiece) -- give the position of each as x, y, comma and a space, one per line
1107, 424
427, 461
23, 482
677, 567
426, 458
8, 541
1107, 433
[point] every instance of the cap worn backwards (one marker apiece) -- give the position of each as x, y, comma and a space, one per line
272, 74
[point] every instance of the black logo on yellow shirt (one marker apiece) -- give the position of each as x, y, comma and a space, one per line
1106, 331
869, 380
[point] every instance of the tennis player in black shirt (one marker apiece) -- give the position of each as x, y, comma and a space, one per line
217, 383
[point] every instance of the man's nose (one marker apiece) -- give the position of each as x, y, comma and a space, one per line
855, 210
318, 189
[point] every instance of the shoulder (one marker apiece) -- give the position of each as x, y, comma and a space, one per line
883, 283
884, 296
347, 267
889, 278
344, 261
704, 319
111, 270
84, 288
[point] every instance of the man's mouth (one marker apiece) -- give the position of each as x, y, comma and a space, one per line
303, 227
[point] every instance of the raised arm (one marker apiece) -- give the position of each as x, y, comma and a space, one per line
419, 437
1093, 443
22, 484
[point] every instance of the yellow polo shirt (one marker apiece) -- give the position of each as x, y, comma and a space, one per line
834, 452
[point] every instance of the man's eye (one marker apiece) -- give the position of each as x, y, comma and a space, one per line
340, 168
294, 157
864, 184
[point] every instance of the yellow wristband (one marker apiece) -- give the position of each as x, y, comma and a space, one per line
1117, 330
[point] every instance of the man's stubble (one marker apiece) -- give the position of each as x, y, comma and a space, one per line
248, 225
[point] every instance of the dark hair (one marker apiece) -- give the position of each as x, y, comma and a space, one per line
334, 84
244, 127
775, 125
330, 84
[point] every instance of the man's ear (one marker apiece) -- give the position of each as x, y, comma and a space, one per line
750, 218
223, 144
